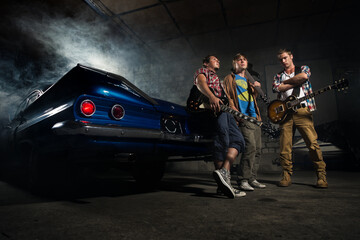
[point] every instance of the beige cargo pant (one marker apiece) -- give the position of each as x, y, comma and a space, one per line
303, 122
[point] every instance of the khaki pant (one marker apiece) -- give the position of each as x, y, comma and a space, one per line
303, 122
250, 159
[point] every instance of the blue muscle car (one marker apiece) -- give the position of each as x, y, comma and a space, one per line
92, 116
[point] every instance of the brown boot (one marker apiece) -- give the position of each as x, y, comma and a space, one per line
321, 182
286, 179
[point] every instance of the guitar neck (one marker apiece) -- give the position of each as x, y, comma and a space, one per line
240, 115
311, 95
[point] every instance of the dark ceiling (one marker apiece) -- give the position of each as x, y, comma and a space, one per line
40, 40
198, 27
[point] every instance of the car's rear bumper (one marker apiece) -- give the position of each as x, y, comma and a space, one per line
110, 131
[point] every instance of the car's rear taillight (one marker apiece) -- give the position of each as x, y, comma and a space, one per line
117, 111
87, 108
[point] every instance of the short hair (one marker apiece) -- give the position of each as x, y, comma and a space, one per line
207, 58
284, 50
238, 56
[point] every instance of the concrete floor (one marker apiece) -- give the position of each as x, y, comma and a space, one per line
185, 207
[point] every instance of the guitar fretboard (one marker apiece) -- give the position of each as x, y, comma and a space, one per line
240, 115
311, 95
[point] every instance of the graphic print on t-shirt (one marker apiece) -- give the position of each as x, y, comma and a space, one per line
246, 101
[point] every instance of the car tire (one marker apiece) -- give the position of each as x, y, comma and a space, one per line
45, 174
36, 179
148, 171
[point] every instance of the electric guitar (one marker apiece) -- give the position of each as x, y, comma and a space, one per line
278, 110
197, 102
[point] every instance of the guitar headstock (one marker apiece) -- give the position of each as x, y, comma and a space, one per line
265, 98
341, 84
270, 130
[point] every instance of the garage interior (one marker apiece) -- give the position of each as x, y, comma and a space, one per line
157, 45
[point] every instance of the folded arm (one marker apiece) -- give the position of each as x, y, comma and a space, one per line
295, 81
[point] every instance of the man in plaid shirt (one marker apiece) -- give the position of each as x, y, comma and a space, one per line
284, 84
228, 141
306, 88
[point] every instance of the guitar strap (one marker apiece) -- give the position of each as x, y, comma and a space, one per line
296, 90
258, 89
247, 99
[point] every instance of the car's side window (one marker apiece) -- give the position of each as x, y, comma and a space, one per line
27, 101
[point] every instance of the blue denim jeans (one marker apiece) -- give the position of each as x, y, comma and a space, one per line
227, 136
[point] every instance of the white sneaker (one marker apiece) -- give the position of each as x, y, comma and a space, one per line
256, 184
244, 185
239, 193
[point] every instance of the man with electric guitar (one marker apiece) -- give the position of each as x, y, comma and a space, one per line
242, 96
294, 82
228, 141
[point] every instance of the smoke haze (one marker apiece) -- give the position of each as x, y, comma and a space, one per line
41, 42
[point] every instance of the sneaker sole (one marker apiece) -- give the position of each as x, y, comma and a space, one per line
258, 187
225, 188
240, 195
247, 189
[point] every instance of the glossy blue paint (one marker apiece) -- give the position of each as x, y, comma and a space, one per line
171, 108
157, 126
136, 115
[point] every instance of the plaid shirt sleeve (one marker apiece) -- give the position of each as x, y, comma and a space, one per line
307, 88
200, 71
276, 83
305, 69
212, 80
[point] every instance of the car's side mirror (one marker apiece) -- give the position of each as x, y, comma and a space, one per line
20, 117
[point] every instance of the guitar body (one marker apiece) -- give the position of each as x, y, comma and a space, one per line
197, 102
278, 110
